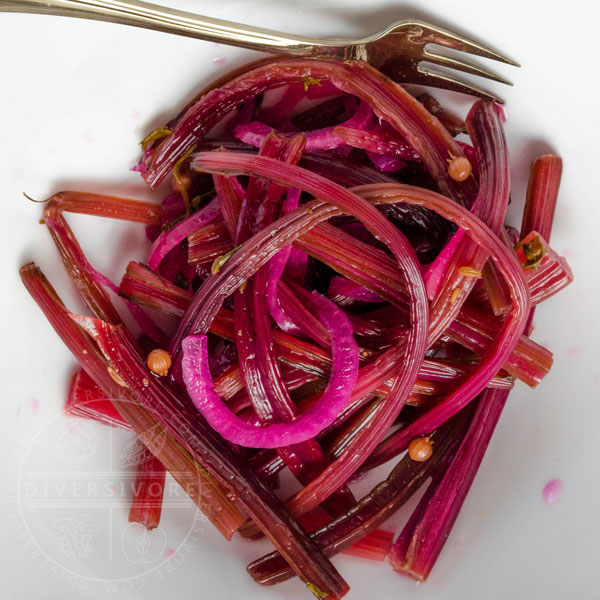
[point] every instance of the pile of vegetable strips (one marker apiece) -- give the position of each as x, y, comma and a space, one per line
330, 283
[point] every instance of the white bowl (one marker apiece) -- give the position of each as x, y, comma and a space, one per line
76, 98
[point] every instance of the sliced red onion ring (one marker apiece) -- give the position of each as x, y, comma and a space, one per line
169, 239
344, 371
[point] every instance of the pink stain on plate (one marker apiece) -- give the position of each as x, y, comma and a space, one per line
170, 553
219, 60
34, 403
574, 352
135, 116
139, 168
570, 253
552, 491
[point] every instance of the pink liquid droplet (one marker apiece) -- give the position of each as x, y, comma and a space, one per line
35, 405
219, 60
170, 553
552, 491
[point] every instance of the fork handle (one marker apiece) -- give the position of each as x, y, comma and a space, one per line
169, 20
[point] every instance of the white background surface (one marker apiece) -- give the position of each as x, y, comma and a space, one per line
76, 98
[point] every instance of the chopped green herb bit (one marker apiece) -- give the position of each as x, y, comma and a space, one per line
221, 260
157, 134
310, 81
316, 591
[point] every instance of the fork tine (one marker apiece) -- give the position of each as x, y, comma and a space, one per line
448, 82
459, 65
443, 37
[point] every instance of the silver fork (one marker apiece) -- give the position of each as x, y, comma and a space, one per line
398, 50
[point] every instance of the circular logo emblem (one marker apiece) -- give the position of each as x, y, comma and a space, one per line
75, 480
